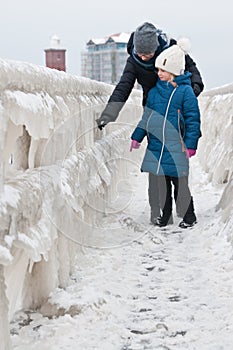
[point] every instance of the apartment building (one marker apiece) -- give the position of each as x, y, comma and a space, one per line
104, 58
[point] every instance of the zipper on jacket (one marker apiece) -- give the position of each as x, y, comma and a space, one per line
164, 125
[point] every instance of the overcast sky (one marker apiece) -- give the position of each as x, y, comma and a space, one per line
26, 28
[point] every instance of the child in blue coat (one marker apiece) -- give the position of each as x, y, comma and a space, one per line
171, 122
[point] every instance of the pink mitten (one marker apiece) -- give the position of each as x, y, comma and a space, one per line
134, 144
190, 152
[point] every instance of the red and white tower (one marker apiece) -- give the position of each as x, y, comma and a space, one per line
55, 56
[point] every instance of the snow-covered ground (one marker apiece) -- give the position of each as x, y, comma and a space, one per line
151, 289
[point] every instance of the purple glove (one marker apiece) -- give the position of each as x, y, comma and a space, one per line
190, 152
134, 144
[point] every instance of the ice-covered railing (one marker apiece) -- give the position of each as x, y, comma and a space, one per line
35, 101
216, 144
57, 173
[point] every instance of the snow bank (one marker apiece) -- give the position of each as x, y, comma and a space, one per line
216, 145
58, 173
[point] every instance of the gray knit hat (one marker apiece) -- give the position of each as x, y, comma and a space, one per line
146, 39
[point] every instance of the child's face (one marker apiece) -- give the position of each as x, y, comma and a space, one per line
163, 75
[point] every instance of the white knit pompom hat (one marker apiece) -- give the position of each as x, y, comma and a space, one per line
172, 60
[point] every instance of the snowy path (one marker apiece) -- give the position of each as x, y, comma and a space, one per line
165, 289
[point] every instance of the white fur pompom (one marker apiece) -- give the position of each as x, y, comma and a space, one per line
184, 44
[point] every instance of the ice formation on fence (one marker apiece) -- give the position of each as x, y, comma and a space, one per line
54, 163
216, 143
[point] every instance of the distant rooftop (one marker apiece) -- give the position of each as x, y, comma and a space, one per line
117, 38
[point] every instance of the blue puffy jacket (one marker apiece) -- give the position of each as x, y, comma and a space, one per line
171, 122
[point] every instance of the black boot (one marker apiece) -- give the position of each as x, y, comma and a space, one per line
164, 220
184, 224
190, 218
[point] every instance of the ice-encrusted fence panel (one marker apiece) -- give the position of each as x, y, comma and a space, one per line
216, 146
57, 173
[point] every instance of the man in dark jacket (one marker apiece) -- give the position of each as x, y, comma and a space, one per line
144, 45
